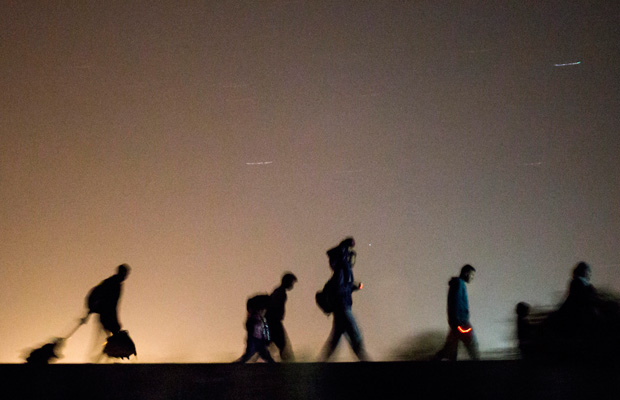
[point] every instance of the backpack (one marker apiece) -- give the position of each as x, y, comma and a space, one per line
324, 299
94, 299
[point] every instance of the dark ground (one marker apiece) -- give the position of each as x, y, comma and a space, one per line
377, 380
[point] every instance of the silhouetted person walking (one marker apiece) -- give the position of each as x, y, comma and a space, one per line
525, 331
461, 329
103, 300
258, 330
275, 315
340, 286
579, 319
580, 305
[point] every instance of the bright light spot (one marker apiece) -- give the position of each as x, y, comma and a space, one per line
464, 330
568, 64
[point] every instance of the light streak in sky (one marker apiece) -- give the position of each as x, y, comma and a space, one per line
259, 163
568, 64
532, 164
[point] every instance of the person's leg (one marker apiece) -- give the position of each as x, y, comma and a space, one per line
276, 331
264, 353
100, 337
109, 321
450, 348
250, 350
354, 335
286, 352
280, 339
334, 337
471, 344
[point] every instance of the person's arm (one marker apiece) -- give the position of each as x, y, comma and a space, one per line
462, 308
452, 319
456, 305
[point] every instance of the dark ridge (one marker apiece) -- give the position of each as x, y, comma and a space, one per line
516, 379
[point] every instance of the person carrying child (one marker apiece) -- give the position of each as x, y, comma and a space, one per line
257, 329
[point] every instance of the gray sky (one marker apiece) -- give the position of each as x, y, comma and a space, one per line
213, 145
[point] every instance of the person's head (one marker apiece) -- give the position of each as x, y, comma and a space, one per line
122, 271
258, 304
523, 309
467, 273
288, 280
582, 270
348, 243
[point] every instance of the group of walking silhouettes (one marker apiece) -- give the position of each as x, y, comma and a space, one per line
266, 312
264, 324
584, 327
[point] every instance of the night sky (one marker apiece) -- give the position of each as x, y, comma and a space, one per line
214, 145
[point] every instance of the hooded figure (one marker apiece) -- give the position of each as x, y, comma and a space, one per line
461, 329
580, 306
340, 286
458, 304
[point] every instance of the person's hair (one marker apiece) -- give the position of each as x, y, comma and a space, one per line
581, 270
288, 278
348, 242
467, 269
